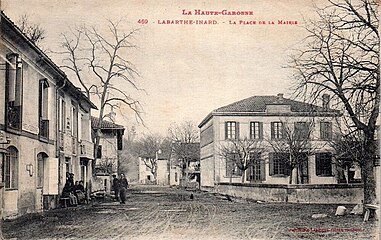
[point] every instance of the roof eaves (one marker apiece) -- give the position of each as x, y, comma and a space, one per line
47, 59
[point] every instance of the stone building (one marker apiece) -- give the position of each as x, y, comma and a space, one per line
44, 124
108, 153
262, 118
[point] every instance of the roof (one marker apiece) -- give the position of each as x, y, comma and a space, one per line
104, 124
76, 92
257, 104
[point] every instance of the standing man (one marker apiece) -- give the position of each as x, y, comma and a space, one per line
116, 187
123, 188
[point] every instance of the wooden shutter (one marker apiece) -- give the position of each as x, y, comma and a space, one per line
318, 164
260, 130
226, 130
99, 151
271, 164
263, 170
237, 130
119, 141
251, 125
272, 130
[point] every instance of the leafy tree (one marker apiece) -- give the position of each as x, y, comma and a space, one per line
340, 56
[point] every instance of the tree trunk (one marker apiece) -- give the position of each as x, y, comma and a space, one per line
368, 170
290, 177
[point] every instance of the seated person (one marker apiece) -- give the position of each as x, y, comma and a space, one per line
80, 192
67, 192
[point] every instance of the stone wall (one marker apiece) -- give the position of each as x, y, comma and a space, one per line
308, 193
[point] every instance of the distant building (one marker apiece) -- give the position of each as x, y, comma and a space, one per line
167, 173
262, 118
45, 121
108, 153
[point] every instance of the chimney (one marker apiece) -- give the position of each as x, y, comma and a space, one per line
279, 97
325, 102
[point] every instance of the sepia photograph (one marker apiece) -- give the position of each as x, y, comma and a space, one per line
190, 119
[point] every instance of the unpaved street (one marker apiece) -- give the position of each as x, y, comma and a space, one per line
165, 213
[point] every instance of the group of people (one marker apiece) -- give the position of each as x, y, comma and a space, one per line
120, 186
74, 191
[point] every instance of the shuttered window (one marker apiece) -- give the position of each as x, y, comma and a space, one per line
231, 165
276, 130
279, 164
256, 130
231, 130
326, 130
256, 169
323, 164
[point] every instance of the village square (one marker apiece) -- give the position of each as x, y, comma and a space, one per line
93, 146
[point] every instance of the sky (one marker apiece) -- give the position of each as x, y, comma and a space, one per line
186, 70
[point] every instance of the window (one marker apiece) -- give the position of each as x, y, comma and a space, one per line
43, 109
119, 140
326, 130
256, 130
74, 121
301, 130
40, 169
279, 163
62, 115
11, 165
256, 170
231, 130
323, 164
67, 165
99, 151
13, 90
231, 165
276, 130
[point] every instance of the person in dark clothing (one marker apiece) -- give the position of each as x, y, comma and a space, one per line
123, 183
116, 187
67, 192
79, 191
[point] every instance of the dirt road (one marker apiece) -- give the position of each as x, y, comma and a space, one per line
164, 213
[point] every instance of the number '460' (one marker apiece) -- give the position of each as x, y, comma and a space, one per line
143, 21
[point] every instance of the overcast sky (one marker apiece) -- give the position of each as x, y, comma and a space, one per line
187, 70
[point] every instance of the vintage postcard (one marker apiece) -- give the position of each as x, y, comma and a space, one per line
185, 119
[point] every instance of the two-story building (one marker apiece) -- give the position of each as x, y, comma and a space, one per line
42, 112
108, 152
263, 119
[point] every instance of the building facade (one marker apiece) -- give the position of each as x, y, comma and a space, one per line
41, 122
108, 153
262, 120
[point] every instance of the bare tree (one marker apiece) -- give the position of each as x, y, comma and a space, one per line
295, 146
341, 57
185, 145
106, 165
32, 30
240, 154
99, 60
148, 148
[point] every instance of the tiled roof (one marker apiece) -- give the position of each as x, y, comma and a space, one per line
104, 124
258, 104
